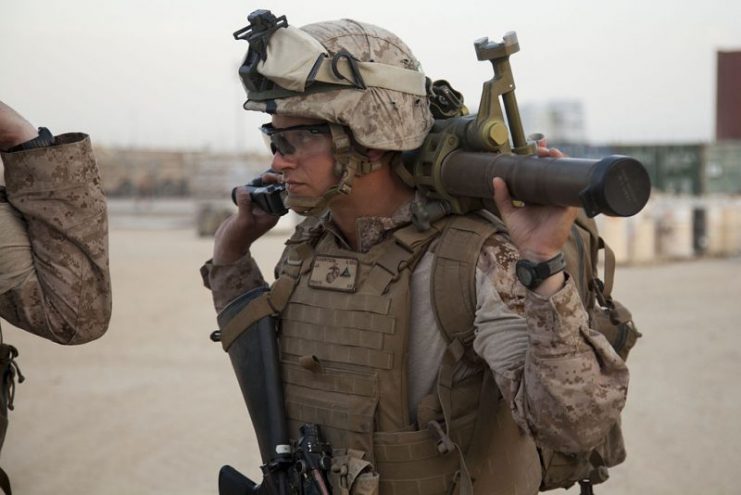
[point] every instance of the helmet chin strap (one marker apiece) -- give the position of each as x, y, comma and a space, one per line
349, 163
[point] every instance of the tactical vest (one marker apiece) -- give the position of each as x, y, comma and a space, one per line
344, 321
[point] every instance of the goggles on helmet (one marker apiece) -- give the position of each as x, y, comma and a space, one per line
298, 138
285, 61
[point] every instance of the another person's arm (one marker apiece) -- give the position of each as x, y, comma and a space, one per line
54, 276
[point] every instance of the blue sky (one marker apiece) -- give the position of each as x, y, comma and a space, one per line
162, 73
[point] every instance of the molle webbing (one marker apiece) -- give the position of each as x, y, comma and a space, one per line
343, 366
341, 383
453, 277
410, 463
273, 301
338, 346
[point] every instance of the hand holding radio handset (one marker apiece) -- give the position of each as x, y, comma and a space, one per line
259, 206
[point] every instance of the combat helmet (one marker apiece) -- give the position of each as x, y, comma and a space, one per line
356, 76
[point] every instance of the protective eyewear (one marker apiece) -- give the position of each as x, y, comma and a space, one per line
289, 140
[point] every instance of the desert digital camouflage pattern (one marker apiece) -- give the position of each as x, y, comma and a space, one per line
227, 282
566, 383
54, 259
562, 382
378, 118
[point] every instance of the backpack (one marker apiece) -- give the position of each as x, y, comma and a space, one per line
455, 311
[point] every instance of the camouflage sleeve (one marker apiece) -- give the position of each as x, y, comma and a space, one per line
64, 292
563, 381
227, 282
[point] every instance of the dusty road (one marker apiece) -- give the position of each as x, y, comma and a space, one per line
153, 407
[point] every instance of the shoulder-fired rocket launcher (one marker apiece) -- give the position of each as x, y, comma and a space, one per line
463, 153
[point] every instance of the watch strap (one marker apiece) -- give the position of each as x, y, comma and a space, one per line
551, 267
540, 271
45, 138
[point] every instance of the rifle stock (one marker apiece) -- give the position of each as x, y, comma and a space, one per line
286, 470
254, 357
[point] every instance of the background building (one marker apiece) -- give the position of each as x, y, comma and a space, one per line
560, 121
728, 97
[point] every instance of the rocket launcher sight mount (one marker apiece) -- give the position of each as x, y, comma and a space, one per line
462, 154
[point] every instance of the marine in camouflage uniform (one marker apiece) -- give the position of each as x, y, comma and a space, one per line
561, 382
54, 279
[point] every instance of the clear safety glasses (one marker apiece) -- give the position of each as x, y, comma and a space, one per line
295, 139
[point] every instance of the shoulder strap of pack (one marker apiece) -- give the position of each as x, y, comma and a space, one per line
453, 289
453, 278
602, 287
597, 243
620, 331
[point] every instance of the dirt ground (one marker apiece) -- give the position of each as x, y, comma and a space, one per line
153, 407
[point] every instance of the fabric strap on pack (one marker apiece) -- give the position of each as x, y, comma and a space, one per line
488, 402
453, 354
456, 256
619, 314
602, 288
609, 276
454, 275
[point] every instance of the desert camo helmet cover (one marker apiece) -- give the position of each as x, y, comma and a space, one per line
353, 75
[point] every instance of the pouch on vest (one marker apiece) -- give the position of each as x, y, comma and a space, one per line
351, 474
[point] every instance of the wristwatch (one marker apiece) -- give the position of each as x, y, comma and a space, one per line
45, 138
532, 274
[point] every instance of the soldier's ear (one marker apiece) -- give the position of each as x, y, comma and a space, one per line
374, 155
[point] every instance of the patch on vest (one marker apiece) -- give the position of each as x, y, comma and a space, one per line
334, 273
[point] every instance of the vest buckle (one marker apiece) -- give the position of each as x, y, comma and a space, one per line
444, 444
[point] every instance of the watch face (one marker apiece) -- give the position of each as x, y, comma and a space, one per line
525, 274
